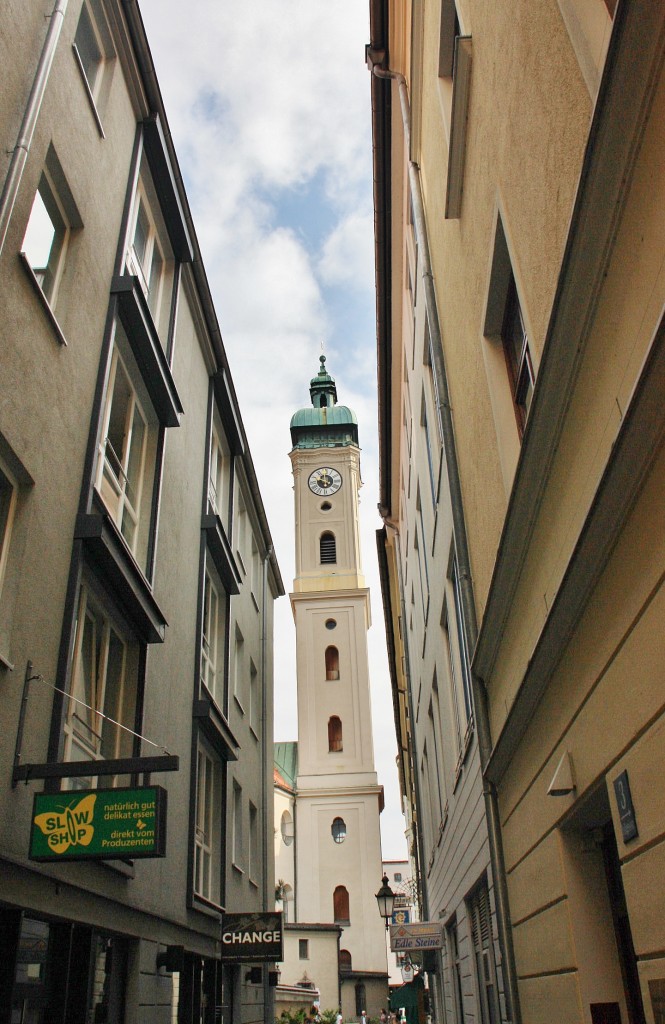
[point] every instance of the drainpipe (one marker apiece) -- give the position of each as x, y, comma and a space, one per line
27, 130
267, 759
463, 560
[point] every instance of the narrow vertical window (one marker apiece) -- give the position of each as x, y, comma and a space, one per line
334, 734
303, 949
236, 843
254, 697
518, 356
219, 475
481, 935
253, 854
332, 663
8, 497
341, 905
239, 667
203, 834
212, 637
328, 549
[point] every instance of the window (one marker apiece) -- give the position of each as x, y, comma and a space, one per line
338, 830
397, 877
334, 734
456, 971
361, 998
303, 949
458, 661
149, 255
207, 831
328, 549
428, 448
240, 531
341, 905
47, 236
93, 49
219, 476
253, 853
239, 667
101, 719
435, 734
286, 828
345, 961
331, 624
236, 838
518, 356
454, 87
8, 497
254, 698
127, 449
481, 934
332, 663
212, 637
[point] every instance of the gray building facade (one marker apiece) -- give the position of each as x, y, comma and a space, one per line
137, 575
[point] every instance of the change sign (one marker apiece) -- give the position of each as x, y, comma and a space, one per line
99, 824
252, 937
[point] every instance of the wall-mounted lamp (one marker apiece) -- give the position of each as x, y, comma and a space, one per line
563, 782
385, 898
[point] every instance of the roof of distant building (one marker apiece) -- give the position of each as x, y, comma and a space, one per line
286, 764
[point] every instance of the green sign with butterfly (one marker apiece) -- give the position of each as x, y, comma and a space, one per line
99, 824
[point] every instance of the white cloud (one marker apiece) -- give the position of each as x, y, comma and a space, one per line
261, 98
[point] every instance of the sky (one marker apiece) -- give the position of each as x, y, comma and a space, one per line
268, 102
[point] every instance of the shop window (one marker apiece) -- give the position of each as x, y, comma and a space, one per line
212, 636
53, 217
332, 663
341, 905
101, 718
328, 549
127, 450
338, 830
334, 734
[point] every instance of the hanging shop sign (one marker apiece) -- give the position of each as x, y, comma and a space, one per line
99, 824
250, 938
420, 935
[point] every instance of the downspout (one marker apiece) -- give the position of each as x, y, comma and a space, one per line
27, 130
464, 564
267, 762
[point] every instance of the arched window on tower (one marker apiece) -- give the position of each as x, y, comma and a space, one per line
332, 663
328, 549
341, 905
334, 734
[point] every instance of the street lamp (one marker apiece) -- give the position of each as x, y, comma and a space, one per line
385, 897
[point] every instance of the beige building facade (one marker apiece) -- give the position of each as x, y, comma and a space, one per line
137, 576
519, 167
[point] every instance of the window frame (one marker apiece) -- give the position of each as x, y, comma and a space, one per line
92, 608
335, 735
107, 481
207, 826
9, 489
340, 904
213, 634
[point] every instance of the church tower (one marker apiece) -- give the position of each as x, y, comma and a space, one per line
338, 799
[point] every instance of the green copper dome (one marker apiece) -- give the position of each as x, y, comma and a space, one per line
325, 424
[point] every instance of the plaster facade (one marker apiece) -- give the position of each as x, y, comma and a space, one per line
520, 331
134, 546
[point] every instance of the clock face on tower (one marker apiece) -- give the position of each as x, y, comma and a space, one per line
324, 481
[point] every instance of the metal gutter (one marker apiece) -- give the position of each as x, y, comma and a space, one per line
27, 130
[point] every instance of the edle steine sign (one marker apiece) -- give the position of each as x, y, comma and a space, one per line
99, 824
252, 937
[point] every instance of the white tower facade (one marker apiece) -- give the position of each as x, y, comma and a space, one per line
338, 798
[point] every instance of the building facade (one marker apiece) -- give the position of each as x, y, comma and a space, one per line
518, 155
136, 567
335, 799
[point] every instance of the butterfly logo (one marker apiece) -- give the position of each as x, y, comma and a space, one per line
71, 826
